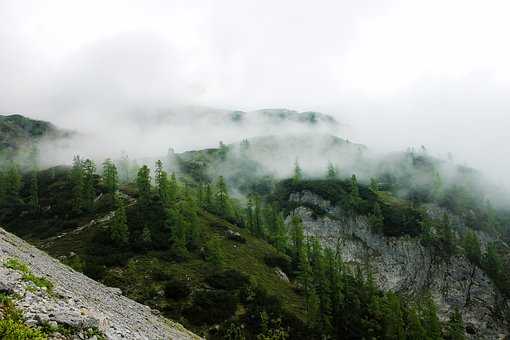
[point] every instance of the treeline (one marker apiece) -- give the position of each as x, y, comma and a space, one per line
156, 211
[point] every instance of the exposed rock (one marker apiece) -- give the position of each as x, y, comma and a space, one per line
235, 236
281, 274
406, 266
76, 300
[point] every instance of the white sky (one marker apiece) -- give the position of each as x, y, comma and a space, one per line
397, 73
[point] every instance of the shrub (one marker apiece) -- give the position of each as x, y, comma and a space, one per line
228, 279
177, 289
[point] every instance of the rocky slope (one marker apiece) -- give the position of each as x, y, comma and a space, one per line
49, 293
406, 266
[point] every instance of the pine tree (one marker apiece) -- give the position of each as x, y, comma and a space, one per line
430, 321
298, 173
297, 238
89, 190
374, 185
110, 177
208, 197
472, 249
76, 178
280, 236
492, 263
162, 183
332, 171
214, 253
455, 326
393, 316
34, 191
258, 223
119, 232
415, 330
143, 183
222, 198
12, 184
250, 220
354, 198
376, 219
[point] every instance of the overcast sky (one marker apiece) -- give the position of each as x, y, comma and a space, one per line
396, 73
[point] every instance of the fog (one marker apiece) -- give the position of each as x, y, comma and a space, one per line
393, 73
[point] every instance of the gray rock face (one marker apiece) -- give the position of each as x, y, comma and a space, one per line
77, 300
405, 266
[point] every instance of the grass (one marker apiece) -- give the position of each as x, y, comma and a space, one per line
12, 326
28, 276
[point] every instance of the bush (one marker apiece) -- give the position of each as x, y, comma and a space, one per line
278, 260
211, 307
177, 289
229, 280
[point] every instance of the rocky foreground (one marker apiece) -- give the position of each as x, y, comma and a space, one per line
51, 295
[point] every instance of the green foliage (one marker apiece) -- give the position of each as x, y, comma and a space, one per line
332, 171
214, 253
298, 173
471, 245
119, 232
455, 328
110, 176
12, 326
16, 264
143, 184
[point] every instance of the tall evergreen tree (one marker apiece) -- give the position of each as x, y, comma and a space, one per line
162, 183
34, 191
298, 173
143, 183
119, 232
455, 326
222, 198
12, 183
472, 249
76, 178
332, 171
297, 239
89, 189
110, 177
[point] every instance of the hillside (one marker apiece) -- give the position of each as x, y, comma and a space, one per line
290, 236
59, 303
18, 134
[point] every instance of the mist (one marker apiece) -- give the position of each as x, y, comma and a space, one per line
394, 74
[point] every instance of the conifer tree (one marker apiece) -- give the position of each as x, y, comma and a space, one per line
374, 185
76, 178
455, 326
280, 236
332, 171
354, 198
110, 177
250, 220
143, 183
472, 249
119, 232
222, 197
12, 184
298, 173
258, 224
214, 253
297, 238
162, 183
89, 190
415, 330
34, 191
376, 219
208, 197
430, 321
